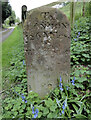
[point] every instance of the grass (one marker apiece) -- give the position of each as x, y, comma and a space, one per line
11, 48
9, 45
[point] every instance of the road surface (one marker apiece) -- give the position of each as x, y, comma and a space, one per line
5, 34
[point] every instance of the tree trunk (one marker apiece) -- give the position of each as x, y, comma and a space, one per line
83, 10
72, 12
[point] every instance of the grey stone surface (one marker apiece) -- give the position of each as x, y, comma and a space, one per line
47, 49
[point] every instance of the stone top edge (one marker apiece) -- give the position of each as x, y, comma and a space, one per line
45, 9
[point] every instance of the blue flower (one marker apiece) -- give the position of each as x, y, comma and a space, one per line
63, 106
78, 33
75, 40
24, 62
25, 101
67, 87
77, 36
62, 111
35, 112
23, 98
73, 81
60, 79
60, 84
60, 114
61, 88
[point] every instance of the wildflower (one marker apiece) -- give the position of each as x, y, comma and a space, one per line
25, 101
67, 87
23, 62
60, 84
35, 112
75, 40
63, 106
78, 33
23, 98
61, 88
60, 79
77, 36
62, 111
60, 114
73, 81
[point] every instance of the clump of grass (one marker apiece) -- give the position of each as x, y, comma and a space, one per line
11, 44
12, 57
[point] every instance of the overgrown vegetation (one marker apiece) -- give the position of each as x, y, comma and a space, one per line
71, 101
78, 9
13, 50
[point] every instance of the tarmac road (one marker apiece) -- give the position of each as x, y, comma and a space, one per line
5, 34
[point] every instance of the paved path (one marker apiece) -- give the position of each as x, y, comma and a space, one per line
5, 34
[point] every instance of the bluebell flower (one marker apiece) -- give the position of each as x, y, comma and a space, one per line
74, 78
78, 33
67, 87
61, 88
63, 106
25, 101
62, 111
73, 81
60, 79
60, 84
60, 114
35, 112
23, 98
75, 40
24, 62
77, 36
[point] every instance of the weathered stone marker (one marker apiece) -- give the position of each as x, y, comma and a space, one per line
47, 49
